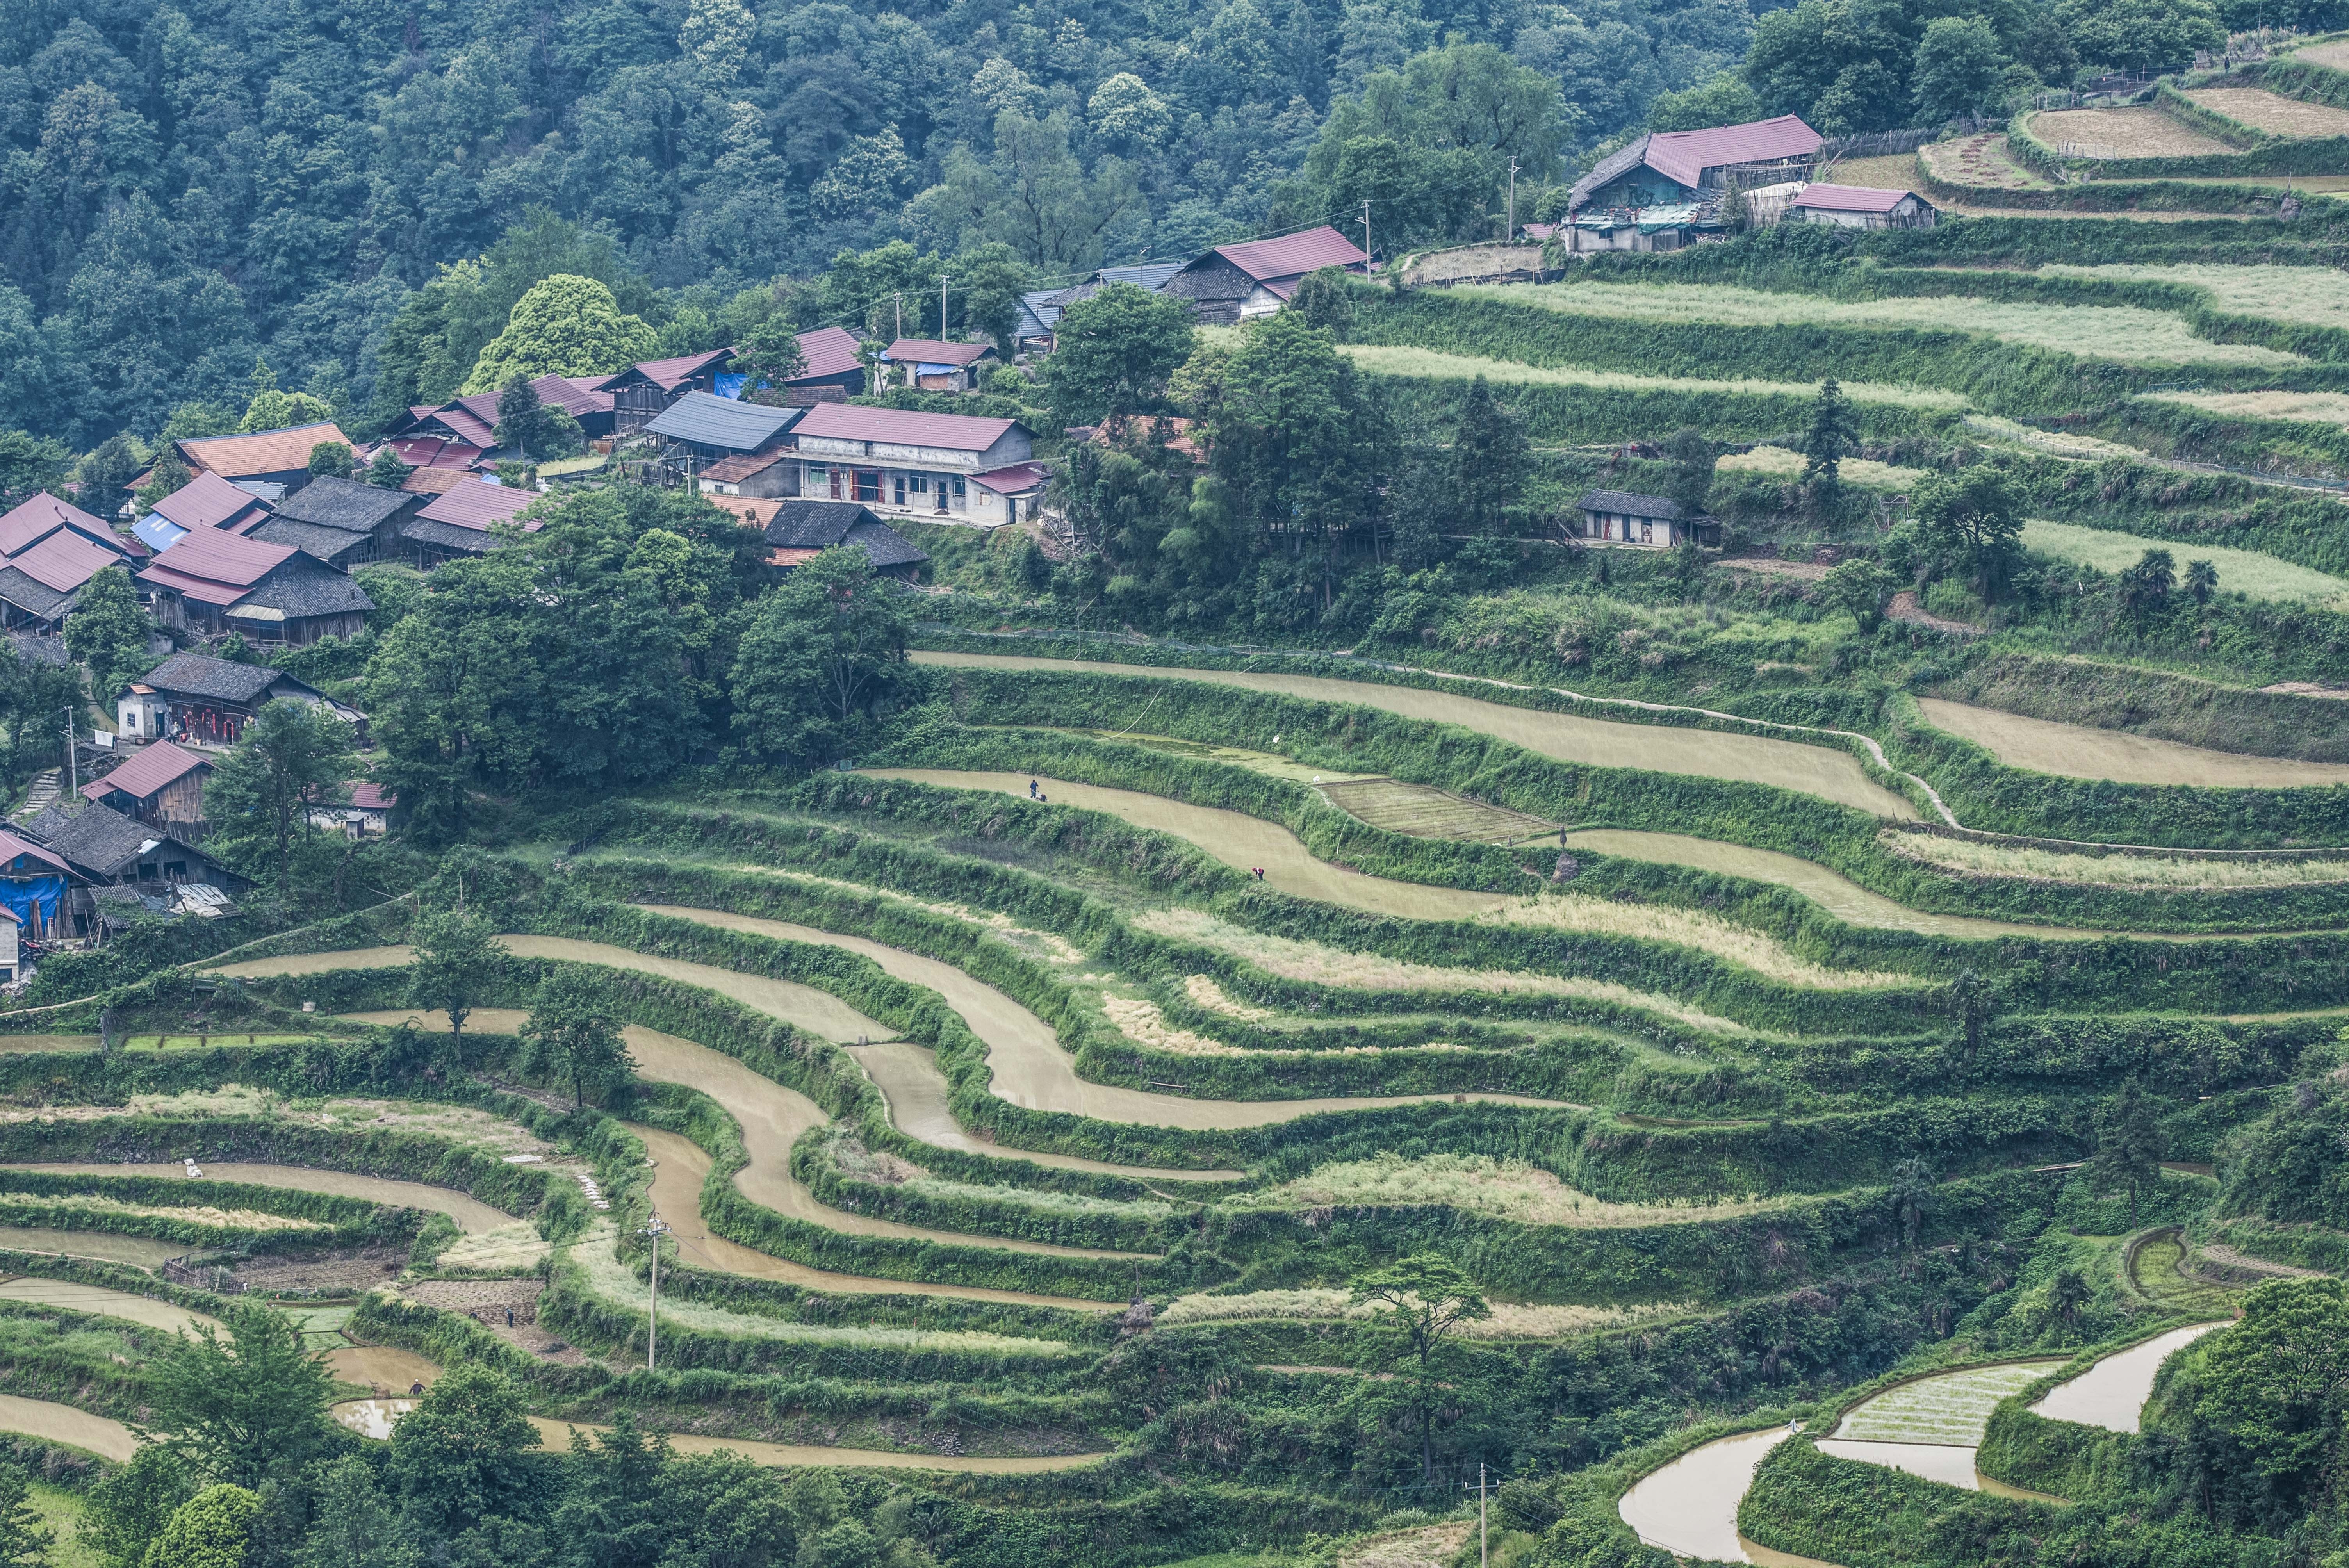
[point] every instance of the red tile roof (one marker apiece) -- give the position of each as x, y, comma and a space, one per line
1685, 155
1849, 198
1291, 255
11, 846
574, 395
435, 453
64, 560
741, 466
1016, 480
477, 504
212, 567
901, 427
368, 796
829, 351
436, 481
751, 512
262, 453
42, 515
667, 374
469, 428
148, 770
932, 351
206, 500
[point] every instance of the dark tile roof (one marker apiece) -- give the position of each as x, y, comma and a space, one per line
306, 589
320, 541
821, 525
96, 840
345, 504
223, 680
449, 536
667, 374
708, 420
42, 649
1630, 503
34, 597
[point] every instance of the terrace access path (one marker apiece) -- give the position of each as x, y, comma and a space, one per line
1031, 1069
1743, 755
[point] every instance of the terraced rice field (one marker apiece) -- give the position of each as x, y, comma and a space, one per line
2112, 1393
1818, 770
2075, 751
1381, 360
2124, 333
1478, 1183
2328, 408
1780, 463
2245, 572
2133, 132
1428, 814
103, 1246
1689, 1507
2122, 870
471, 1213
2316, 296
2272, 112
1952, 1409
73, 1295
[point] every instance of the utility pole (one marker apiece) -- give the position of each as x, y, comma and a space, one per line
1484, 1543
1366, 225
655, 1231
900, 298
942, 308
1511, 232
73, 763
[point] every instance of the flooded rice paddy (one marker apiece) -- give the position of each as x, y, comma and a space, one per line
2112, 1393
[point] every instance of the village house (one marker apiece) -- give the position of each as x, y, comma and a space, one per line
933, 366
159, 784
1623, 517
1663, 190
709, 428
212, 583
269, 463
342, 522
762, 474
1860, 207
35, 888
207, 500
463, 431
49, 550
1040, 312
1232, 283
832, 370
640, 392
194, 699
109, 849
456, 523
368, 814
915, 464
795, 530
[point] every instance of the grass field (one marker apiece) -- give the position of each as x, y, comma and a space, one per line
1507, 1188
2140, 131
2123, 332
1952, 1409
1385, 360
2317, 296
1425, 813
1980, 161
1782, 463
1894, 172
2079, 751
2150, 871
1509, 1319
2330, 408
2272, 112
2245, 572
1686, 928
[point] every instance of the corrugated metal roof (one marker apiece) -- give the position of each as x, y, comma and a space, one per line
666, 374
477, 503
828, 351
1151, 275
741, 466
1290, 255
42, 515
707, 419
211, 555
933, 351
902, 427
206, 500
148, 770
1685, 155
1850, 198
262, 452
1016, 480
64, 560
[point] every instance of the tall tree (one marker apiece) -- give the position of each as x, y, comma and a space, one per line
2129, 1146
574, 1021
1425, 1299
243, 1406
292, 758
1831, 437
457, 958
824, 657
213, 1529
1491, 460
129, 1506
565, 326
107, 631
25, 1540
530, 426
1115, 353
1975, 516
456, 1457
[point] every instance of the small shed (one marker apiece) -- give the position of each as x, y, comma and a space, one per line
159, 784
939, 367
1863, 207
762, 474
1655, 521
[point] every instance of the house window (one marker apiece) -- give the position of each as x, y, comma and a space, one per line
868, 484
958, 492
919, 484
1647, 531
176, 871
146, 873
899, 490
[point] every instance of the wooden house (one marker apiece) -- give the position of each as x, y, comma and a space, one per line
194, 699
1655, 521
107, 849
796, 529
213, 583
709, 429
910, 463
205, 502
36, 886
1664, 190
48, 551
1040, 309
342, 522
642, 391
471, 422
934, 366
832, 370
456, 523
159, 784
1237, 282
763, 475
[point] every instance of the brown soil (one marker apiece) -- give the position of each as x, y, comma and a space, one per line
2072, 751
1424, 812
2306, 688
99, 1301
2272, 112
1769, 566
382, 1367
353, 1271
2140, 131
1429, 1546
487, 1301
1831, 774
139, 1252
